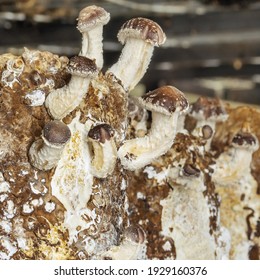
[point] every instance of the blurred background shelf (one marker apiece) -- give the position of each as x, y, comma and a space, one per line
212, 47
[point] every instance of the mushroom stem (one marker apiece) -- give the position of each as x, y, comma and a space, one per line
43, 155
138, 152
133, 62
140, 36
104, 158
45, 152
60, 102
90, 24
69, 96
92, 45
104, 150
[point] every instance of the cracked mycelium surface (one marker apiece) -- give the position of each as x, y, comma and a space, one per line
168, 209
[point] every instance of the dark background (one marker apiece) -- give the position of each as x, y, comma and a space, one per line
212, 47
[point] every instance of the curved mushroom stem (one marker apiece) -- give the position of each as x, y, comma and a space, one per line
133, 62
140, 36
104, 158
138, 152
43, 155
92, 45
60, 102
104, 150
90, 24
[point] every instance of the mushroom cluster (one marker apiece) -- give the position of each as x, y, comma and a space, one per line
85, 173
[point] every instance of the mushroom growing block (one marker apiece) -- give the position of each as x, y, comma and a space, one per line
166, 104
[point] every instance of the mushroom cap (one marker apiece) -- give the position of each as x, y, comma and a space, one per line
92, 16
190, 170
207, 132
165, 100
245, 140
56, 133
135, 234
142, 28
82, 66
204, 108
101, 133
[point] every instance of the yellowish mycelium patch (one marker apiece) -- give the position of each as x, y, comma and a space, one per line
52, 245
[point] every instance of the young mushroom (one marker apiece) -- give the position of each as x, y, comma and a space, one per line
166, 104
208, 112
132, 247
62, 101
100, 137
229, 167
90, 23
45, 152
140, 36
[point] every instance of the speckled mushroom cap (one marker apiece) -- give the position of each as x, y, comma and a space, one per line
166, 100
56, 133
91, 17
101, 132
245, 140
204, 108
82, 66
142, 28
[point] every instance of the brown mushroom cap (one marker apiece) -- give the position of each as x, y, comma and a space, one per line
165, 99
134, 234
91, 17
101, 132
56, 133
190, 170
208, 107
207, 132
82, 66
142, 28
244, 139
